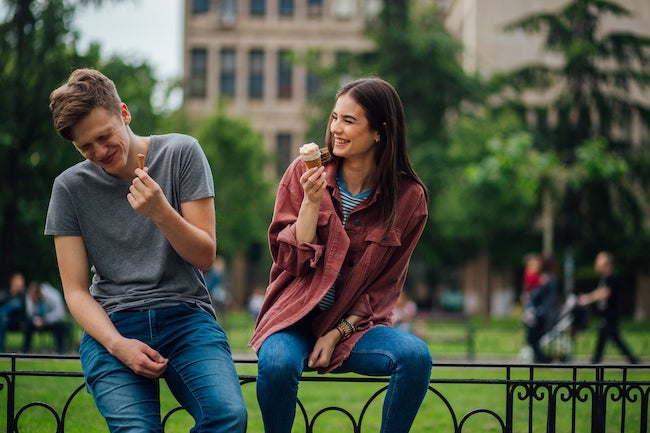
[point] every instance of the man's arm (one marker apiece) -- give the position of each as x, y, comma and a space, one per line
191, 232
596, 295
73, 268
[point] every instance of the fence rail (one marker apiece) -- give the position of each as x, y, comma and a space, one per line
516, 397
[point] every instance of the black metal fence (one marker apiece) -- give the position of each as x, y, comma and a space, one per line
462, 398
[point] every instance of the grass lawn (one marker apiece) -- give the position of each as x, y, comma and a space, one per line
495, 340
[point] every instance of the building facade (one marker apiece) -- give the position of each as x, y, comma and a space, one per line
253, 56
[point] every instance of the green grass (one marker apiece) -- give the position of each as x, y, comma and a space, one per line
498, 340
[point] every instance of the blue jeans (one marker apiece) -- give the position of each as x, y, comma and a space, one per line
382, 351
201, 373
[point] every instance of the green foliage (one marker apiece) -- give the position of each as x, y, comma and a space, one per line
38, 48
590, 99
34, 46
490, 186
243, 196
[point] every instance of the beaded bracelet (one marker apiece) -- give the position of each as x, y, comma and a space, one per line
349, 325
344, 331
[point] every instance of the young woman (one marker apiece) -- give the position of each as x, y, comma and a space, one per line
341, 239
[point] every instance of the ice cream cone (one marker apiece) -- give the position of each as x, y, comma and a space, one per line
310, 154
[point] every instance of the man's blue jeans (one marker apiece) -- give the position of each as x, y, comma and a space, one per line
382, 351
201, 373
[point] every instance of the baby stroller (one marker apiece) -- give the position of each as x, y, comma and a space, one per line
557, 342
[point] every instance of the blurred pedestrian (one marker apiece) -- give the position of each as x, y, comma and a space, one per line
541, 308
12, 310
607, 297
532, 278
44, 311
215, 280
255, 301
404, 313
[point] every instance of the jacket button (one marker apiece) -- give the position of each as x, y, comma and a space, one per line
357, 223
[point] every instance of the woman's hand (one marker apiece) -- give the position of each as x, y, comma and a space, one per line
323, 349
313, 183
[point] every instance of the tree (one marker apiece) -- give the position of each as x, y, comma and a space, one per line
36, 55
38, 48
243, 196
589, 93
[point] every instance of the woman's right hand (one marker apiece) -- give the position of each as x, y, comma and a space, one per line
313, 183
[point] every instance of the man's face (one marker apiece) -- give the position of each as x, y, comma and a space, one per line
17, 284
103, 139
601, 264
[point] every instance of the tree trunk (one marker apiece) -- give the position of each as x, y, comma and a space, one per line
239, 281
547, 222
642, 296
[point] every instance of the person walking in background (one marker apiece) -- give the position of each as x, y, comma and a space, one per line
12, 310
533, 277
606, 296
138, 213
541, 308
341, 238
255, 301
44, 310
404, 313
215, 279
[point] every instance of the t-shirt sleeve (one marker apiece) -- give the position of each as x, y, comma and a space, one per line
195, 175
61, 219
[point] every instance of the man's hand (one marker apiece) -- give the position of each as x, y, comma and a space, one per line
38, 322
145, 195
141, 358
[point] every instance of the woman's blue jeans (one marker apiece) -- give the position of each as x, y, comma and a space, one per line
201, 373
382, 351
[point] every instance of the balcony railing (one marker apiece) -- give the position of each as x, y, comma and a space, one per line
462, 397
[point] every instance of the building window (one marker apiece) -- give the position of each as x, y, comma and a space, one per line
198, 72
228, 12
200, 6
313, 84
372, 10
285, 74
313, 80
343, 9
256, 74
283, 151
286, 8
257, 8
227, 73
314, 8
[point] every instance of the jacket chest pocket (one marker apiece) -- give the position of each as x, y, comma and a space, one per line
372, 249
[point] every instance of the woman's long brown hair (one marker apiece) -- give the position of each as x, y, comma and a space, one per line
385, 113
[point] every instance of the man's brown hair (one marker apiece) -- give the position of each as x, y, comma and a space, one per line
85, 90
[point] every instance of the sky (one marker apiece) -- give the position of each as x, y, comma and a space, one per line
150, 30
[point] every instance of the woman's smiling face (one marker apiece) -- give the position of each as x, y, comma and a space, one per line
350, 130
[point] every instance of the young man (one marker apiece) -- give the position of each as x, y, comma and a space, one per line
145, 234
607, 296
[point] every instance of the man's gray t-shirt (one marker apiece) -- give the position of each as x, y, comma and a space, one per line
134, 267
